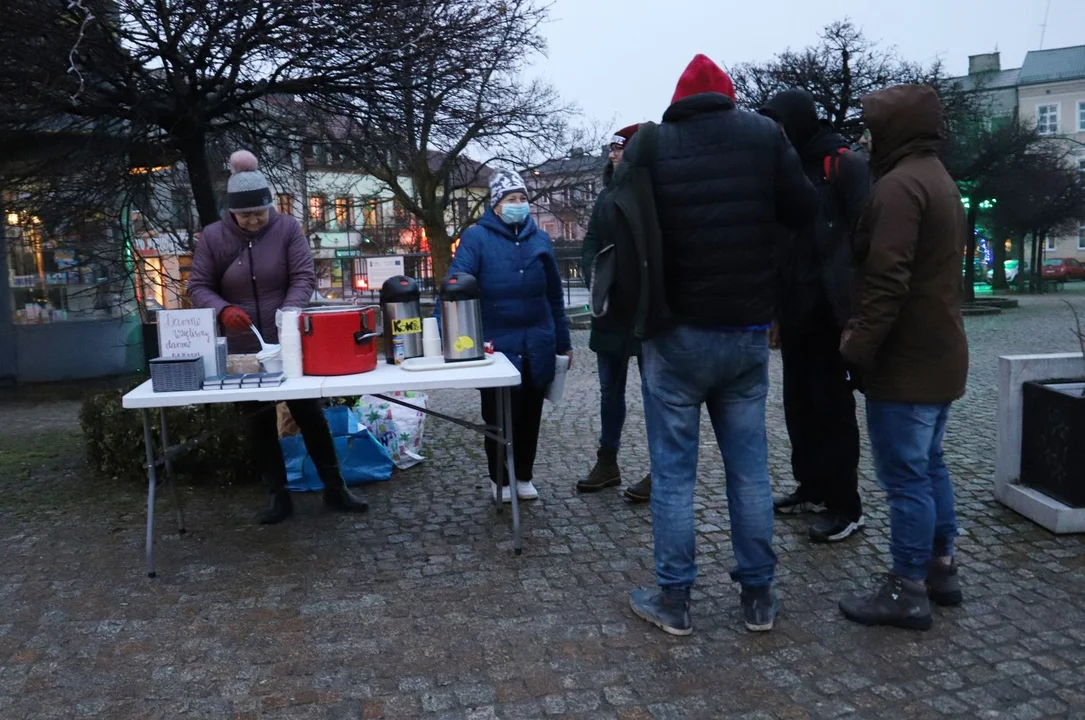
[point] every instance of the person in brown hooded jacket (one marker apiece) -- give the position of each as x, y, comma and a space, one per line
907, 349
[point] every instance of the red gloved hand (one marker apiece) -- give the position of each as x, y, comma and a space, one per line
235, 319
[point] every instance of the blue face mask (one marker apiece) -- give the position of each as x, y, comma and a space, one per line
515, 213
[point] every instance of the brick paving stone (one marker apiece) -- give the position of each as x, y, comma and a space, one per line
420, 609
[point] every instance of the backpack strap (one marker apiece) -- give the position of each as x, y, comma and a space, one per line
831, 164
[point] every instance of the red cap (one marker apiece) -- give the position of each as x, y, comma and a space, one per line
703, 76
622, 137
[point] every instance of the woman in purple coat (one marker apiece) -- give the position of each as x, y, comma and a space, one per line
248, 265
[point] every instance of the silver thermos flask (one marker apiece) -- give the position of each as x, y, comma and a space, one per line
402, 314
461, 318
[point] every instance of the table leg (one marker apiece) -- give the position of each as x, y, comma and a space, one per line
152, 481
506, 432
500, 479
170, 477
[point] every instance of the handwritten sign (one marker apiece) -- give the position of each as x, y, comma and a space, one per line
188, 332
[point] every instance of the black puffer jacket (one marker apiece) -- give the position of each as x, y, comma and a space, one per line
727, 183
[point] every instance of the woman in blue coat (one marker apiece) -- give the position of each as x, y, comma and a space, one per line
523, 314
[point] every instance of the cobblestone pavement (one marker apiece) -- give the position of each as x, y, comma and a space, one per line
421, 610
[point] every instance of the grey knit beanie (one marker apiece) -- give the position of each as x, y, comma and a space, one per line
505, 182
247, 189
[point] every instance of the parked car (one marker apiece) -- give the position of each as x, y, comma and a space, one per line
1011, 272
1063, 270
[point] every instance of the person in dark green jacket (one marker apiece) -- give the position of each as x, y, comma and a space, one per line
613, 345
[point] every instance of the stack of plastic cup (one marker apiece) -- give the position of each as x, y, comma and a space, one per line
290, 340
431, 338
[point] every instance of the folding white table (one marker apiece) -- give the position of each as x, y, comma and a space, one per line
500, 375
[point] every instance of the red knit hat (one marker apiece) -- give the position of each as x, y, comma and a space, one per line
623, 136
703, 76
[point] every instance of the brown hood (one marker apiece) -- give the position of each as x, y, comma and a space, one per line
903, 120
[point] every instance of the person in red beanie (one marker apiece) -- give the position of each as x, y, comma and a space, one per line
727, 185
613, 345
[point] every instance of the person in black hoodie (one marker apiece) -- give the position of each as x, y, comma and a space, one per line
814, 307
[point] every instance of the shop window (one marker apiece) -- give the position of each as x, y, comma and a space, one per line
50, 280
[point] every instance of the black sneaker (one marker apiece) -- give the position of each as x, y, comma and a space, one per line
667, 609
943, 584
897, 603
835, 528
796, 504
759, 608
605, 474
641, 492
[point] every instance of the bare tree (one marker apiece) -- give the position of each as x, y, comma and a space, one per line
419, 132
839, 70
1044, 195
187, 71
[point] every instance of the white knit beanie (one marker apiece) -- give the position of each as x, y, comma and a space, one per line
247, 189
505, 182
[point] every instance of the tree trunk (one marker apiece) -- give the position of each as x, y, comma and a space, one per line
970, 252
440, 248
194, 150
1021, 265
1034, 284
998, 256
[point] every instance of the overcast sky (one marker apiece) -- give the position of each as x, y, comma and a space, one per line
619, 60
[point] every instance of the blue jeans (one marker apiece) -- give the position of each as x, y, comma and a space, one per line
907, 444
727, 371
613, 371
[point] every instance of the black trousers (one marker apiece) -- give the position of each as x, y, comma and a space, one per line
262, 430
527, 407
819, 407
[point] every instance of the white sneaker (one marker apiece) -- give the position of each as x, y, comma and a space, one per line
526, 491
506, 493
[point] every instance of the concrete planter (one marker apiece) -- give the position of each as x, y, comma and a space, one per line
1014, 372
1052, 451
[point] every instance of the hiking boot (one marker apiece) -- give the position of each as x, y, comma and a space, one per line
604, 475
641, 492
341, 500
759, 608
280, 507
835, 527
943, 584
666, 608
897, 603
796, 504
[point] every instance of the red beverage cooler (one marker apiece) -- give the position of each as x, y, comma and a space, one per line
339, 340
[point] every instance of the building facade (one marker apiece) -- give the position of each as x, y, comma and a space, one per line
1048, 90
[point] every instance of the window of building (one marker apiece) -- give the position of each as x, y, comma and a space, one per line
180, 209
1049, 244
1081, 238
1081, 116
370, 217
344, 212
1047, 119
1081, 170
284, 203
317, 212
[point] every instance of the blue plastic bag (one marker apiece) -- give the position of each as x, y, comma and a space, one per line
362, 458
